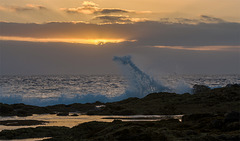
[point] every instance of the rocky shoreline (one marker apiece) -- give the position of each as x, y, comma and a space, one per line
204, 100
209, 114
197, 127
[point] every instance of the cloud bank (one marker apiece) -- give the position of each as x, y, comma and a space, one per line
117, 19
28, 7
201, 19
146, 33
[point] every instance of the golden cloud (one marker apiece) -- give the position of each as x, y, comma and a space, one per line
93, 8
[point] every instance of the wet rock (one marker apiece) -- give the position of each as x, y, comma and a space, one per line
126, 112
117, 121
21, 122
63, 114
38, 132
200, 89
232, 117
233, 85
217, 124
232, 126
74, 115
195, 117
225, 137
207, 138
23, 113
5, 109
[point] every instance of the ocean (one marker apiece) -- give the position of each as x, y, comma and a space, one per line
45, 90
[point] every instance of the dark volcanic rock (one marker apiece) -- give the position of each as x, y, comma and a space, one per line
233, 126
232, 117
21, 122
195, 117
21, 110
63, 114
38, 132
6, 109
23, 113
74, 115
218, 100
218, 124
200, 89
233, 85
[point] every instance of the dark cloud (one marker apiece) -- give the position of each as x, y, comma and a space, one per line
95, 10
111, 11
201, 19
179, 20
210, 19
28, 7
190, 34
113, 19
146, 33
117, 19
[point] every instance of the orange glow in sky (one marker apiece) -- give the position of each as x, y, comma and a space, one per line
200, 48
66, 40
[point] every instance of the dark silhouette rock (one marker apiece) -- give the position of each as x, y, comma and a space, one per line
232, 117
233, 126
5, 109
196, 128
21, 122
38, 132
218, 124
195, 117
200, 89
233, 85
74, 115
23, 113
63, 114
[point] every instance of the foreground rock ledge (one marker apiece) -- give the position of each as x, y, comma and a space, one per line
197, 127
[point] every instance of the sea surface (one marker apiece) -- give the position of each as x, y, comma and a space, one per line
66, 89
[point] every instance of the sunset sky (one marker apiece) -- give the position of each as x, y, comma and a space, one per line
81, 37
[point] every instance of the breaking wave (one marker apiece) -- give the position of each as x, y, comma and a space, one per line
140, 84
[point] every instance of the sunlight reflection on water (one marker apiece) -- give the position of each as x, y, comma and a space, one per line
70, 121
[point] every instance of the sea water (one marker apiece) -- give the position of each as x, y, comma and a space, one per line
55, 88
45, 90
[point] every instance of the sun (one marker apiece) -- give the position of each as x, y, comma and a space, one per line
105, 41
